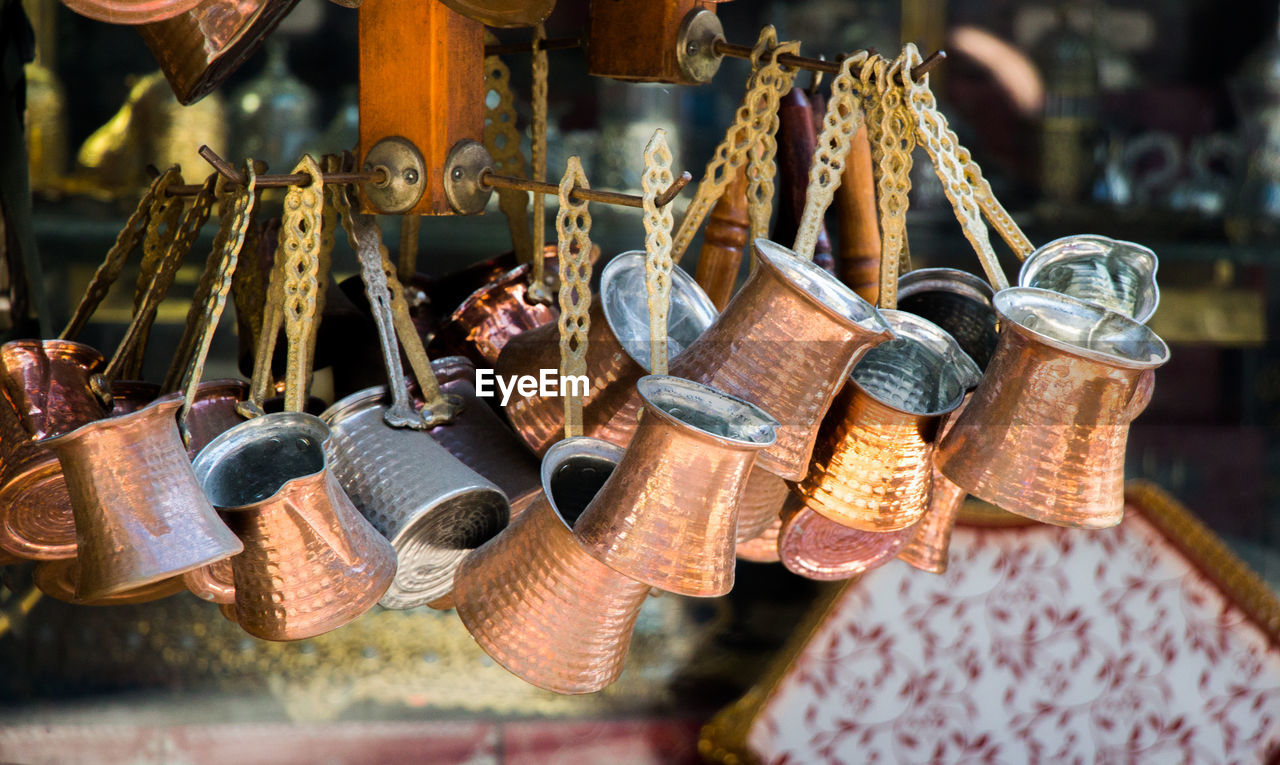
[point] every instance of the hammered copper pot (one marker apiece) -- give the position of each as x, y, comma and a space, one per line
929, 548
668, 515
214, 412
488, 318
873, 466
958, 302
201, 47
145, 519
46, 393
1044, 434
761, 503
311, 562
130, 11
535, 601
432, 508
481, 440
786, 343
815, 547
617, 355
1117, 275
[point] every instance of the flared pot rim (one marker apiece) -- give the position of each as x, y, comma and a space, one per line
936, 340
749, 427
170, 401
232, 441
683, 289
1067, 248
1049, 300
832, 296
952, 280
566, 449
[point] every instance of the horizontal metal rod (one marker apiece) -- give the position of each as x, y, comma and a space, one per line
555, 43
819, 64
490, 178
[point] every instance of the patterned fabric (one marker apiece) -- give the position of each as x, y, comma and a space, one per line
1039, 644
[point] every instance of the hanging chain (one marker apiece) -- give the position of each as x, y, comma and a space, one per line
892, 155
658, 222
766, 85
573, 229
127, 361
300, 246
538, 290
503, 142
236, 214
941, 143
127, 241
841, 122
996, 215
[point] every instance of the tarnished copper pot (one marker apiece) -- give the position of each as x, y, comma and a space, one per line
786, 343
58, 580
958, 302
1117, 275
480, 327
311, 562
140, 515
872, 468
668, 516
214, 412
535, 601
818, 548
432, 508
481, 440
46, 393
201, 47
617, 355
1044, 434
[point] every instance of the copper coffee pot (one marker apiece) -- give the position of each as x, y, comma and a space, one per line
533, 598
786, 342
618, 350
668, 515
145, 519
311, 563
872, 468
1044, 434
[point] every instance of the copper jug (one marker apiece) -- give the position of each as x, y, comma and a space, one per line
200, 48
668, 516
617, 355
213, 411
432, 508
1117, 275
762, 501
786, 343
959, 303
311, 562
140, 515
482, 324
46, 393
481, 440
873, 469
535, 601
818, 548
1044, 434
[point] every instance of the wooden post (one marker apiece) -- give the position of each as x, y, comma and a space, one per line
421, 79
858, 245
797, 138
635, 40
723, 242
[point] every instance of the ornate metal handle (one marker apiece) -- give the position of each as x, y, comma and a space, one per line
538, 290
503, 142
657, 246
300, 245
573, 228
